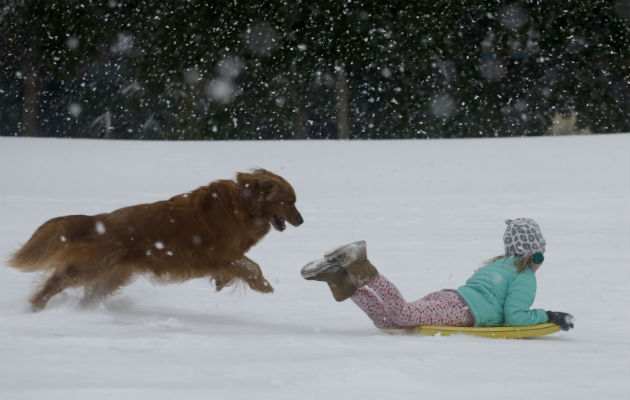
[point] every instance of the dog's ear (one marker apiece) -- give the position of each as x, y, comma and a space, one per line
256, 184
266, 186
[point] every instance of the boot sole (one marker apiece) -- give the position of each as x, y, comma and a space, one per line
315, 268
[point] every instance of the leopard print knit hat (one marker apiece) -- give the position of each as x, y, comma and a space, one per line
522, 237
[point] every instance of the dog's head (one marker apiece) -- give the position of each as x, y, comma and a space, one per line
270, 197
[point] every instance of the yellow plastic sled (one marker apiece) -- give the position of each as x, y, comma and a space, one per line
499, 332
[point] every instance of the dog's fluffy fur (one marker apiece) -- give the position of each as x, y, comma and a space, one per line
204, 233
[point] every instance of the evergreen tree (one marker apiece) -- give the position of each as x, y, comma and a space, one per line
301, 69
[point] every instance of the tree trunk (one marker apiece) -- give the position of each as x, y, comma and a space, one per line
300, 123
31, 90
342, 96
107, 124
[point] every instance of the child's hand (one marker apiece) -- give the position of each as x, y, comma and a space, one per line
562, 319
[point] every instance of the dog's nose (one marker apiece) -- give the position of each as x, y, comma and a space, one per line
299, 220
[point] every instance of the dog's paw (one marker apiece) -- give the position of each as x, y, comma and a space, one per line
262, 286
38, 303
220, 285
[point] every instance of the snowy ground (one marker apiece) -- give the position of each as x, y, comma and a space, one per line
431, 211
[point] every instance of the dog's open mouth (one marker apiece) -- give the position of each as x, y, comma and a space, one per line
278, 223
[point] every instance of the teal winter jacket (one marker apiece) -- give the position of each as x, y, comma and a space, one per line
497, 295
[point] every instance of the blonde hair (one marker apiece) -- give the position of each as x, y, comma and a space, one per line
521, 263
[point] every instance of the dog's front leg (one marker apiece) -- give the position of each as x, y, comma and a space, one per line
250, 272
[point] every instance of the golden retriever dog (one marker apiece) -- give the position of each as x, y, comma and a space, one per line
204, 233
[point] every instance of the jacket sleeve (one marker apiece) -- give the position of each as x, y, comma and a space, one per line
520, 297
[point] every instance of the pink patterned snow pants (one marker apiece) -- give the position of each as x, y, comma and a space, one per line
386, 307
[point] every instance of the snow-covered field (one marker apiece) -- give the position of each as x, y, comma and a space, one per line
431, 212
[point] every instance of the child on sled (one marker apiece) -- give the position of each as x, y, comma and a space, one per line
499, 293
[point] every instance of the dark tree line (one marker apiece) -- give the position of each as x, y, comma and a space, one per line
305, 69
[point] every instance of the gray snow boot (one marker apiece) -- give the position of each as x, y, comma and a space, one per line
335, 276
345, 269
353, 257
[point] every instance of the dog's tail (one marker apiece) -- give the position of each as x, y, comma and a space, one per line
49, 242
